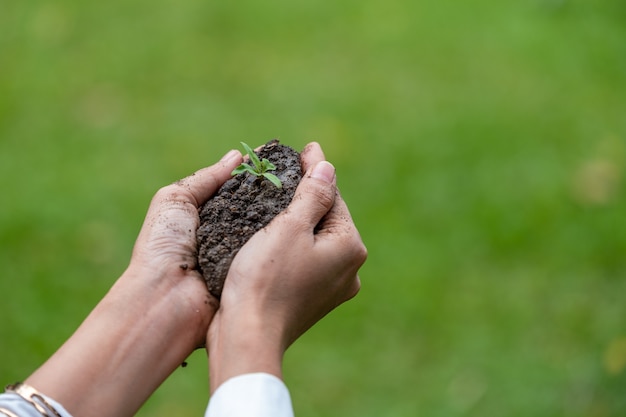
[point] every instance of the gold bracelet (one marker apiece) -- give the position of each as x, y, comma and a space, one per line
34, 397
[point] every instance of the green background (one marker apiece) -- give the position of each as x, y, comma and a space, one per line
481, 147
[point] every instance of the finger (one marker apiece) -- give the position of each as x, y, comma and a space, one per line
338, 217
338, 223
202, 184
315, 195
311, 155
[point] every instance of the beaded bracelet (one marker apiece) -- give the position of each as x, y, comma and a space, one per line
34, 397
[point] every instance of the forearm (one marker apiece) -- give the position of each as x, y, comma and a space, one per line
124, 350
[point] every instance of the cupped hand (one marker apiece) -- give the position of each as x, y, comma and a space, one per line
153, 317
168, 235
287, 276
165, 254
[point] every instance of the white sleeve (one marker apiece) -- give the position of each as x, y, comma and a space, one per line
15, 404
251, 395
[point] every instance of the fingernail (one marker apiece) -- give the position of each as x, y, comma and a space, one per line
324, 171
230, 155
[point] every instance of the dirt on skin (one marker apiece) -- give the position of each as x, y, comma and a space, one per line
241, 207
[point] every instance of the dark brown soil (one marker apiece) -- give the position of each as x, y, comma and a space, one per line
241, 207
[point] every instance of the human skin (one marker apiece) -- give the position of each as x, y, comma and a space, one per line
286, 278
160, 310
152, 318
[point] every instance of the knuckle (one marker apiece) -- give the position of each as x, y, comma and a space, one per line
172, 192
173, 196
356, 287
360, 252
167, 192
355, 248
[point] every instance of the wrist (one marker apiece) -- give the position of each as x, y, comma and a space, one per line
241, 344
127, 346
176, 299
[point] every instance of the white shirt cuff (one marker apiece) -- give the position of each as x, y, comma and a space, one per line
251, 395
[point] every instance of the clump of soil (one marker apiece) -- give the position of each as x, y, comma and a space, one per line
241, 207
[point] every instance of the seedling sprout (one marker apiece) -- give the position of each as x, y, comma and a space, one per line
258, 168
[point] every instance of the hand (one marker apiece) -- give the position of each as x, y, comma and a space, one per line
165, 253
153, 317
287, 277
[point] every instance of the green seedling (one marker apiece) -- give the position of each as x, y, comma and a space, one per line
258, 168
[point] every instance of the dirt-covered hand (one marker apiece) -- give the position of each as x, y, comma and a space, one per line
167, 237
165, 252
153, 317
287, 277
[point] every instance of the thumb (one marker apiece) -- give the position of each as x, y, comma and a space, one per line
315, 195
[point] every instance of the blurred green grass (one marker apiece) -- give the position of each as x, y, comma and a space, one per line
481, 147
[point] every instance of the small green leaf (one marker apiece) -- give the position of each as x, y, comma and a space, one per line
253, 157
267, 165
244, 168
274, 179
260, 168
